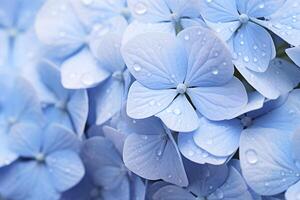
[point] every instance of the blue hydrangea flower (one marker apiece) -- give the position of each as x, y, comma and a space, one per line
18, 105
66, 107
171, 70
48, 163
268, 151
215, 142
108, 173
208, 182
16, 20
241, 24
74, 41
294, 54
149, 149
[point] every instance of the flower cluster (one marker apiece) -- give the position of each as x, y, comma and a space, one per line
149, 99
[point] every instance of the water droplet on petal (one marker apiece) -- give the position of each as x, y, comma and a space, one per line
219, 194
186, 37
137, 67
140, 8
251, 156
246, 59
177, 111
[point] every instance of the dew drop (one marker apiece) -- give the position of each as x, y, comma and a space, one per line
87, 79
177, 111
219, 194
152, 103
251, 156
246, 59
215, 72
137, 67
186, 37
140, 8
191, 153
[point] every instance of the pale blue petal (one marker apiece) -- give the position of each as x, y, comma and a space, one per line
218, 138
180, 115
154, 156
257, 8
26, 139
143, 102
172, 192
219, 103
78, 110
136, 28
294, 54
285, 118
266, 160
115, 136
8, 10
295, 145
7, 156
254, 47
184, 8
65, 169
280, 78
205, 179
224, 30
29, 176
191, 151
187, 22
107, 51
234, 188
293, 192
219, 11
97, 11
150, 10
58, 138
157, 60
285, 22
108, 99
58, 27
255, 102
209, 60
82, 71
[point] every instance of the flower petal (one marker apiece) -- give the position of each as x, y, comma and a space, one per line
258, 8
233, 188
219, 103
56, 138
157, 60
218, 138
143, 102
280, 78
191, 151
58, 27
82, 71
219, 11
254, 47
172, 192
154, 157
266, 160
294, 54
65, 169
293, 192
209, 60
149, 10
285, 22
180, 116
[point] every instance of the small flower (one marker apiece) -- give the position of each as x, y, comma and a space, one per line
177, 76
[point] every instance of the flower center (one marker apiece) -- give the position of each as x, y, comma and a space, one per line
244, 18
246, 121
118, 75
181, 88
40, 157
